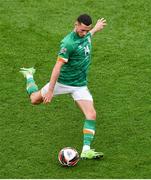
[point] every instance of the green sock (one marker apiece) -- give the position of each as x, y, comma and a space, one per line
88, 131
31, 86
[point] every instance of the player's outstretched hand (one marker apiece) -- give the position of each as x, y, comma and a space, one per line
47, 97
101, 23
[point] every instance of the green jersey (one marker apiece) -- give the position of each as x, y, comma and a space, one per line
76, 52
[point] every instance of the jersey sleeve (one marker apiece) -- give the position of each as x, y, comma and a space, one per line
65, 51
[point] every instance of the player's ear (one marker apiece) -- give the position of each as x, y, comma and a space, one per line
76, 23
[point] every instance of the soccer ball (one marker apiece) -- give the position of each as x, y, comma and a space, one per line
68, 156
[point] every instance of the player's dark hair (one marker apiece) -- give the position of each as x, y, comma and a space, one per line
85, 19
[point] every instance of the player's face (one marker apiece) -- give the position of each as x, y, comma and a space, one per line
81, 29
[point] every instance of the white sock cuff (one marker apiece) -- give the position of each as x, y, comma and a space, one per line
86, 148
29, 76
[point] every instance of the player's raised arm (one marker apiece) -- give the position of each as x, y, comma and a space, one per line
98, 26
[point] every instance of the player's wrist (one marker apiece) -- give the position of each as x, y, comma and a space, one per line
51, 89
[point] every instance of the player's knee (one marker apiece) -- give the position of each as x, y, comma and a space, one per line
35, 99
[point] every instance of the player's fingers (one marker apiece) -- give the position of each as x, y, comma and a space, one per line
104, 24
45, 100
103, 20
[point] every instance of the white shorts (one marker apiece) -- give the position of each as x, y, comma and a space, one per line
78, 93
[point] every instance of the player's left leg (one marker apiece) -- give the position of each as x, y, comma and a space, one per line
84, 100
88, 110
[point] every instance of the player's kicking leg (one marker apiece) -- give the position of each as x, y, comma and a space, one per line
32, 88
88, 130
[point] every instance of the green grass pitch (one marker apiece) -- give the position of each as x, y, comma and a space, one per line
119, 79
